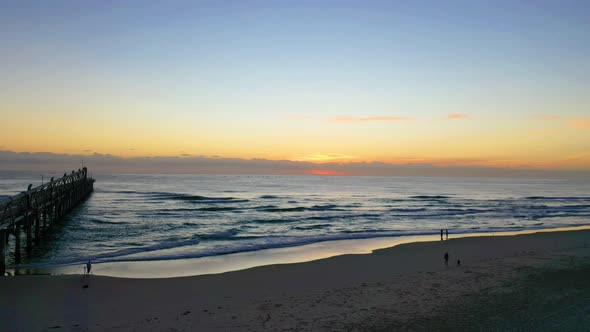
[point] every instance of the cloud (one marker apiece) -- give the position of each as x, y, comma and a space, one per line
575, 123
457, 116
327, 157
55, 164
350, 119
579, 123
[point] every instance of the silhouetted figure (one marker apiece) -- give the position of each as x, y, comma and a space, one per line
441, 234
447, 232
458, 262
446, 258
86, 276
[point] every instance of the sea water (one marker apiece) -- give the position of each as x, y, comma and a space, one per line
147, 217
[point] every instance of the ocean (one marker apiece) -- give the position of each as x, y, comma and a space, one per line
150, 217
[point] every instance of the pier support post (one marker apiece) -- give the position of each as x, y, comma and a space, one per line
17, 244
37, 219
3, 235
29, 230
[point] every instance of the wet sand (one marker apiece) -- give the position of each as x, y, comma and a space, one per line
406, 287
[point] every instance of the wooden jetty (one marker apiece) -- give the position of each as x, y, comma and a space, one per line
35, 210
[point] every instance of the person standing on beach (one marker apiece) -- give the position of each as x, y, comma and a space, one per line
446, 258
447, 232
441, 234
86, 277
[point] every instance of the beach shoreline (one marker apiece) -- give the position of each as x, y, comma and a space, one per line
185, 267
404, 287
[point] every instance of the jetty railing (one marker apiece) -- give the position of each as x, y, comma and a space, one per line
36, 209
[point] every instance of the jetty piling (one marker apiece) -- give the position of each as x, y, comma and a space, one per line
37, 209
3, 243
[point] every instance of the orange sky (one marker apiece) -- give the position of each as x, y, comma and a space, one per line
547, 142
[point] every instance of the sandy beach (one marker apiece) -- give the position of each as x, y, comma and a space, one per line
524, 282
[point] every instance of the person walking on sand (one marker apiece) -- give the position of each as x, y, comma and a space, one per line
446, 258
447, 232
441, 234
88, 267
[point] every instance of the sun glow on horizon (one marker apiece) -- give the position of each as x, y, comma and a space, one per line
325, 172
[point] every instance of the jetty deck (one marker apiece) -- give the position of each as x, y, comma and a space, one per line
32, 212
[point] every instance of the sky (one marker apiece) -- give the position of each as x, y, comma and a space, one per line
482, 84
